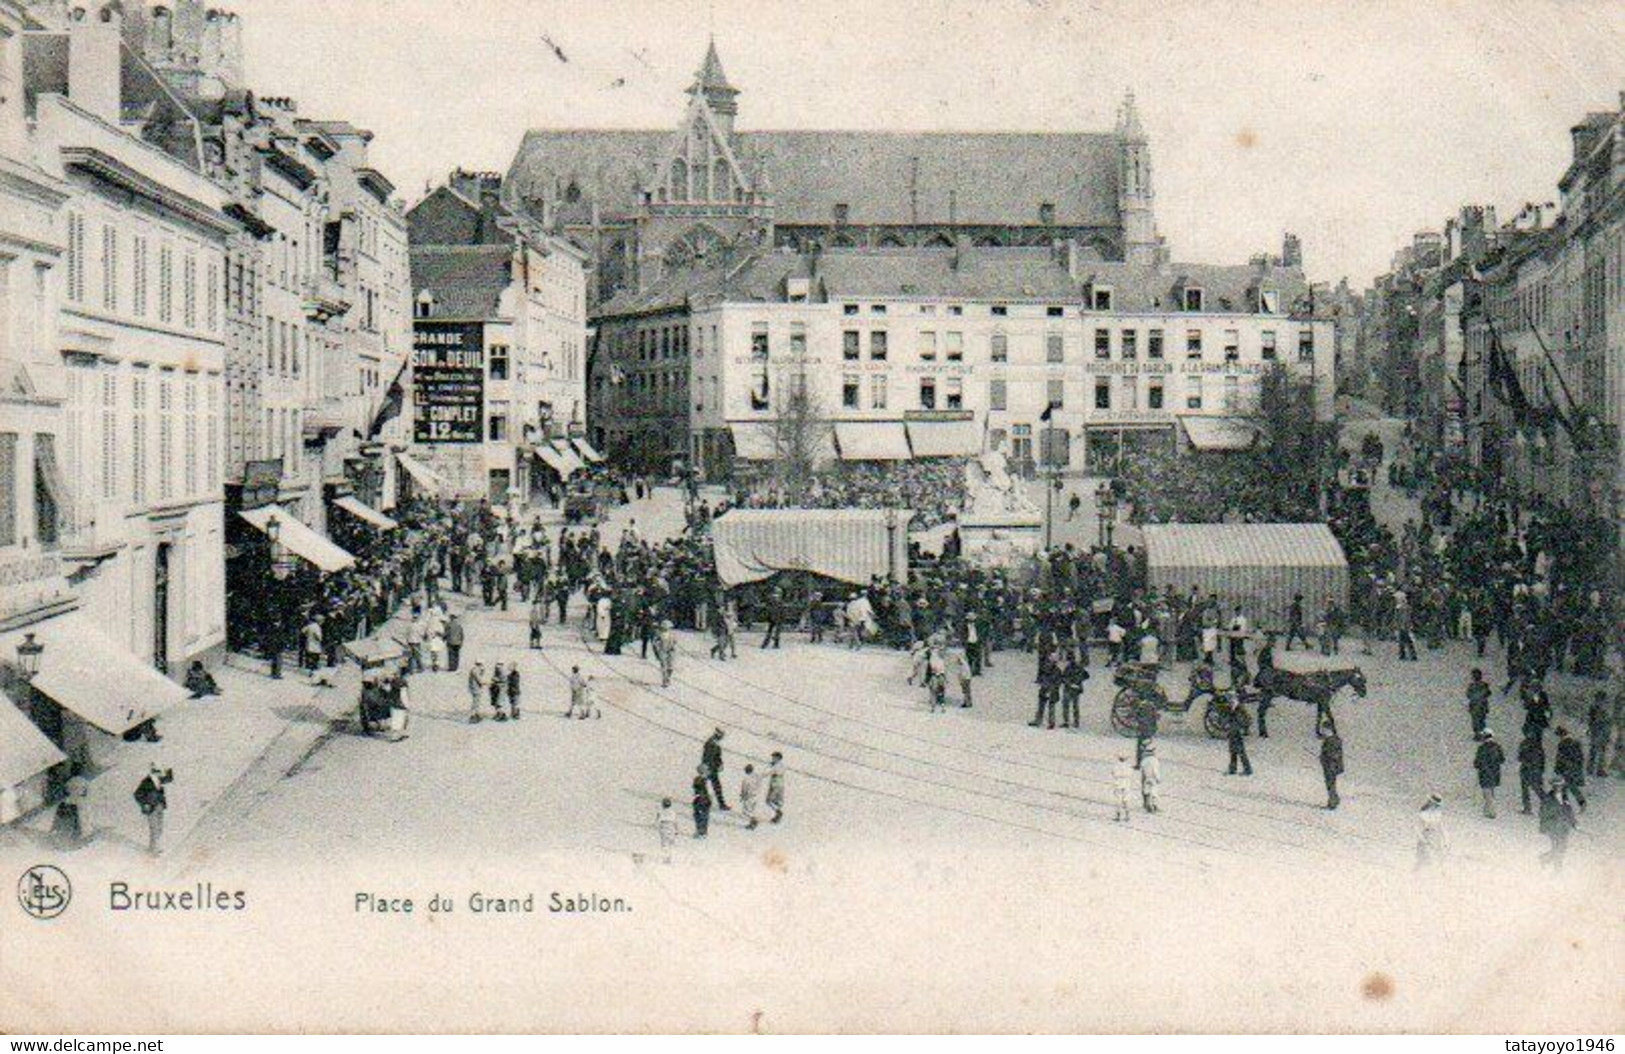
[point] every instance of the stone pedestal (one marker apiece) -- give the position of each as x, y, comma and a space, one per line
1002, 539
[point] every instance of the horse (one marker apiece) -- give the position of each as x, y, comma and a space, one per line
1317, 687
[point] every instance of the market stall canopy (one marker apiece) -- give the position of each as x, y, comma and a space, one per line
299, 539
362, 511
90, 674
24, 749
1220, 433
945, 438
1258, 566
552, 459
422, 474
850, 545
586, 449
872, 441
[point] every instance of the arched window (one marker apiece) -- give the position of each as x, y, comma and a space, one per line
986, 240
939, 241
679, 180
572, 193
891, 241
720, 183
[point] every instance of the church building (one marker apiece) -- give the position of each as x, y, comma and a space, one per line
650, 202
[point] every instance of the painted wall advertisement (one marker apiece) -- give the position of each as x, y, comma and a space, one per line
448, 382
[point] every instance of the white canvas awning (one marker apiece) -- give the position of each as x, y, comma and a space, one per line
362, 511
753, 441
551, 458
1220, 433
586, 449
422, 475
850, 545
299, 539
568, 455
88, 673
872, 440
24, 749
945, 438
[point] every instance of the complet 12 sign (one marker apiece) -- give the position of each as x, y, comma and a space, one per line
448, 382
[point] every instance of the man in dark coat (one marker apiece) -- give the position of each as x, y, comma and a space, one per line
1488, 759
1236, 734
1600, 730
711, 761
454, 642
1331, 765
1050, 677
774, 612
1478, 701
1569, 764
1531, 767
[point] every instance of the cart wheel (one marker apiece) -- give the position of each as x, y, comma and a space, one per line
1213, 720
1124, 714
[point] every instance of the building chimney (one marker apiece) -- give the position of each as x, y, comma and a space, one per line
95, 42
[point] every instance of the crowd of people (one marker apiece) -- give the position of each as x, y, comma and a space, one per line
934, 489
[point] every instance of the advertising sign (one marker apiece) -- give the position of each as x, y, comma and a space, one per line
448, 382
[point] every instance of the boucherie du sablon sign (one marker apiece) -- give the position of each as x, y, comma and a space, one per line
448, 382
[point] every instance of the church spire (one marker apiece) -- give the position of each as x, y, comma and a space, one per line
1128, 119
712, 83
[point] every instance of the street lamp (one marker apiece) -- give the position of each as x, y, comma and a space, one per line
891, 544
28, 656
1106, 509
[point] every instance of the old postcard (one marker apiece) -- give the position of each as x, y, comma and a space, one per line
730, 516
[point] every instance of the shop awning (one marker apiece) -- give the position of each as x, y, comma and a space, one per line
1220, 433
586, 449
568, 455
91, 675
362, 511
553, 460
850, 545
422, 474
945, 438
753, 441
872, 440
24, 749
299, 539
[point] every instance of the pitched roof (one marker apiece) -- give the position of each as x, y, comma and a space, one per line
970, 274
992, 178
711, 78
467, 281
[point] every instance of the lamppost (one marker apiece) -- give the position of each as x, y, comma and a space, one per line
1106, 509
281, 569
28, 657
891, 544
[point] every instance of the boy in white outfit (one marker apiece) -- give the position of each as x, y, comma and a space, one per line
750, 792
666, 825
1122, 779
1150, 778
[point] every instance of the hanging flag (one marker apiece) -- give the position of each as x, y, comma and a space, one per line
394, 402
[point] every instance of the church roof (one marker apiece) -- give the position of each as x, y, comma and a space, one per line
975, 178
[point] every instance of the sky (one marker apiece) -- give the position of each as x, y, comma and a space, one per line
1351, 124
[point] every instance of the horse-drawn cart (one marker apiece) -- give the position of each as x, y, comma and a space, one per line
1138, 688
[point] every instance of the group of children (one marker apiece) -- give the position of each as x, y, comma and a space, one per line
1150, 782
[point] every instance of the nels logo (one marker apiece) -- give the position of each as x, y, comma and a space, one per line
44, 891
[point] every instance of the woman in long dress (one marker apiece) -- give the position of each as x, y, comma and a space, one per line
601, 616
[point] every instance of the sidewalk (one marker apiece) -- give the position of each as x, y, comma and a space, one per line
226, 751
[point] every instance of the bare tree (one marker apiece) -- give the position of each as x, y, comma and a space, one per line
802, 435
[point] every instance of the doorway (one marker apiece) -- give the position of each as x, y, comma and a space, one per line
160, 606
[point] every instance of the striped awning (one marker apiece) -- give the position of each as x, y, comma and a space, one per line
1258, 567
872, 441
422, 475
586, 449
850, 545
551, 458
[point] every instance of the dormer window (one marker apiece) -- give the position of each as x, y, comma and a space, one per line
1046, 214
1269, 301
1100, 298
842, 211
424, 308
1191, 298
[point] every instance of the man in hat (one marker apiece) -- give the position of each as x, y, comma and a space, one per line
1236, 727
775, 786
1569, 763
702, 801
1487, 760
1478, 701
1531, 766
455, 636
711, 761
150, 796
1331, 765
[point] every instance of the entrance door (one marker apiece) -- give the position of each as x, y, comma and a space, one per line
160, 607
